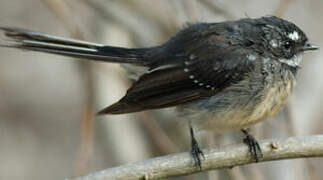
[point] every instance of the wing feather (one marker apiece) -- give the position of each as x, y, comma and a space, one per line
208, 69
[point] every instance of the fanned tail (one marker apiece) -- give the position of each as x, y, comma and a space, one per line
34, 41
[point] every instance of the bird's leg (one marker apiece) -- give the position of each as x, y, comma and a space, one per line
196, 152
253, 145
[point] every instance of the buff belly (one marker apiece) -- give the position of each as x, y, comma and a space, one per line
218, 116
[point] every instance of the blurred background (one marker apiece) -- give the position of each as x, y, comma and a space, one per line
47, 103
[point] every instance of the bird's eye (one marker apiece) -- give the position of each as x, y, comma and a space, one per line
287, 45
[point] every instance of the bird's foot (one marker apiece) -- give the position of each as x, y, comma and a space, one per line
197, 154
253, 145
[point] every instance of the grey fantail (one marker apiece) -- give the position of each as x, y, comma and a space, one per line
221, 76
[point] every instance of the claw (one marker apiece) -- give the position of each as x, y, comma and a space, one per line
253, 145
196, 152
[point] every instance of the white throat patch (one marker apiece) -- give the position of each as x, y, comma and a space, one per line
294, 61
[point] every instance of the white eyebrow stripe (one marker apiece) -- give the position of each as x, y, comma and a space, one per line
293, 36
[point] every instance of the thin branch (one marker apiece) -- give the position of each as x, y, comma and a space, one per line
283, 5
63, 12
213, 6
157, 134
219, 158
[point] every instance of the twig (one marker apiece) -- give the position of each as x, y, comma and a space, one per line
63, 12
157, 134
191, 10
131, 21
217, 9
282, 7
236, 173
225, 157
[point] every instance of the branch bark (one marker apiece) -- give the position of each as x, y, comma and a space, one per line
218, 158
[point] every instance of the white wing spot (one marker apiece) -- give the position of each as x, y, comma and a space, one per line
191, 76
251, 57
273, 43
201, 84
192, 56
196, 81
293, 36
186, 70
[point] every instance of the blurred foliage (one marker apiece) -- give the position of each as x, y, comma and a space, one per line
47, 103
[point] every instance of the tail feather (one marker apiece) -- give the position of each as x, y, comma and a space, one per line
34, 41
119, 108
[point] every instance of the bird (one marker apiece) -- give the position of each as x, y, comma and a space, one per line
220, 76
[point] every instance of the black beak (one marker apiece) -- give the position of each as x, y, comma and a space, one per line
309, 47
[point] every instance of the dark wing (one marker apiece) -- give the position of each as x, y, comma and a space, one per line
195, 76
